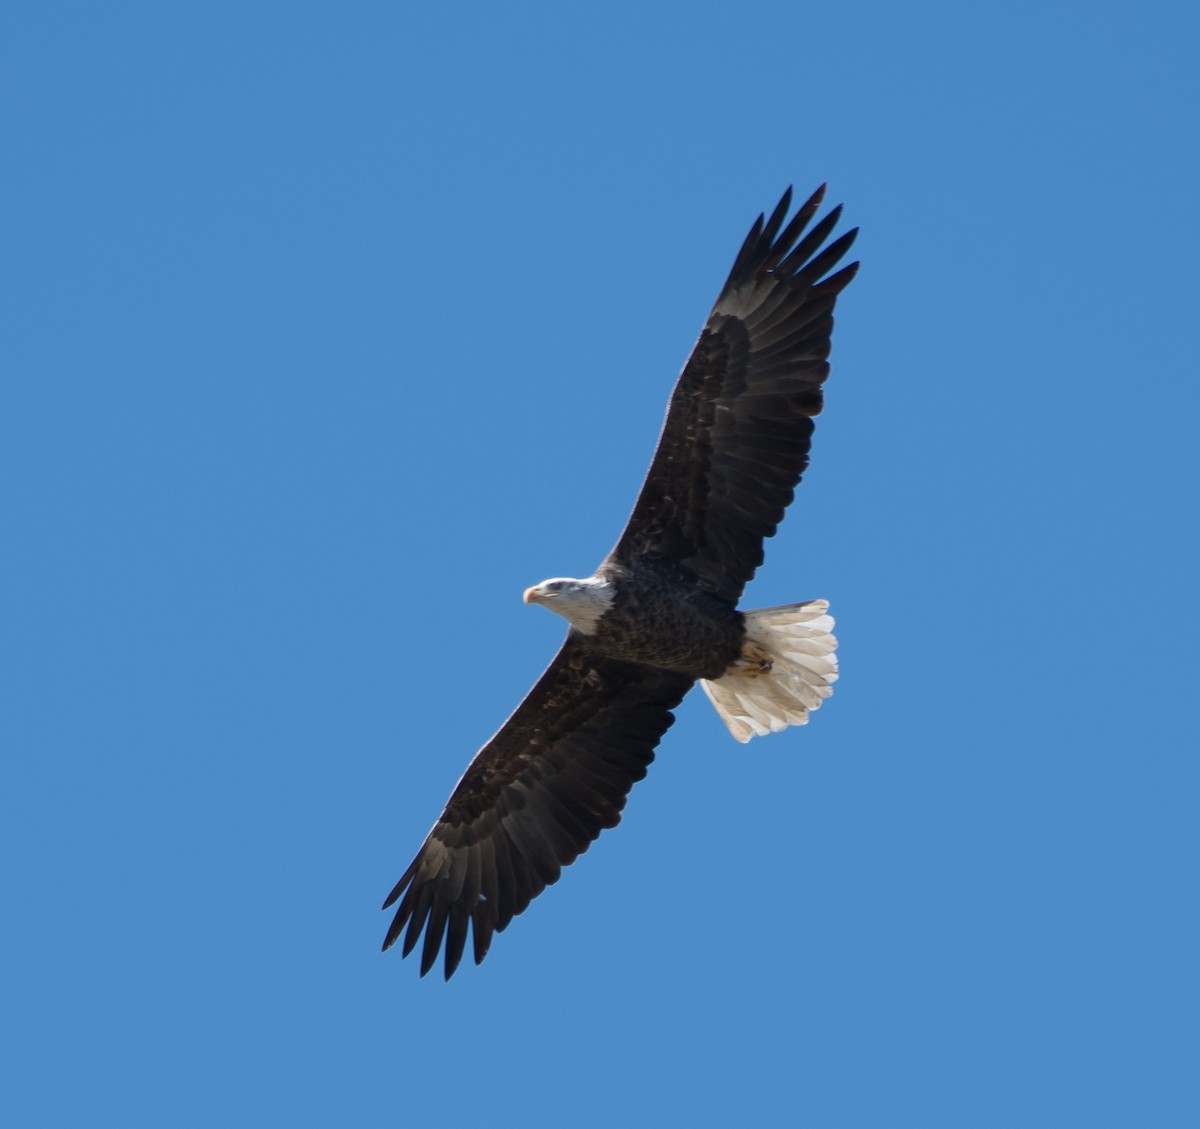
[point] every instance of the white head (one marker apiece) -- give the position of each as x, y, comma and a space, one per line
582, 602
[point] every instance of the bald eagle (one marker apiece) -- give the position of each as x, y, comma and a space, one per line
660, 613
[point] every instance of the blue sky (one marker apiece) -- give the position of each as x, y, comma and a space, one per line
330, 328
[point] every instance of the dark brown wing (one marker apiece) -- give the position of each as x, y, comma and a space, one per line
739, 423
533, 800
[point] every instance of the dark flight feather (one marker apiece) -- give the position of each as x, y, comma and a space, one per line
761, 357
534, 799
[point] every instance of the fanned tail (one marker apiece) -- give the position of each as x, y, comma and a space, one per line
797, 672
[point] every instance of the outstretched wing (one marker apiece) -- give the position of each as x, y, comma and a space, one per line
533, 800
739, 423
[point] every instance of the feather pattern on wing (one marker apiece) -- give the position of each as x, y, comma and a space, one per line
533, 800
739, 423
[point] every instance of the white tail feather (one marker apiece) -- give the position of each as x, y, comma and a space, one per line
799, 644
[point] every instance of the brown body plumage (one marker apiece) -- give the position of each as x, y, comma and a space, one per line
661, 620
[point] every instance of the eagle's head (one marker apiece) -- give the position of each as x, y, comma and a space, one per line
581, 602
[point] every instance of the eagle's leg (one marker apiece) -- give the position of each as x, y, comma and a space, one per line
754, 660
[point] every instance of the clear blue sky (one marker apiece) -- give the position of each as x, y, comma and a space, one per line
329, 328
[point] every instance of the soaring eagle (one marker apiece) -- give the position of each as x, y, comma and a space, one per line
660, 613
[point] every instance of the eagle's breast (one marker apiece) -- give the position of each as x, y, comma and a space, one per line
661, 621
